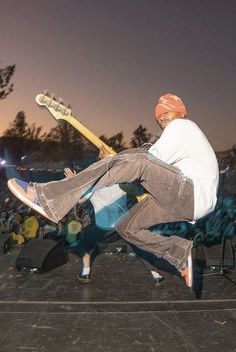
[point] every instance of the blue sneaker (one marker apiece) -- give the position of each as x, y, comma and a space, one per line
27, 194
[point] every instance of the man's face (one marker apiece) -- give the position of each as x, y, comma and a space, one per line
164, 119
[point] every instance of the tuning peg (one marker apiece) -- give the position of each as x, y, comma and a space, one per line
60, 101
68, 110
51, 101
57, 106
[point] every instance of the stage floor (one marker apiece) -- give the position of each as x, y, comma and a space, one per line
120, 310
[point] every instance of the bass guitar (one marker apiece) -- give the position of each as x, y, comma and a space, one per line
109, 203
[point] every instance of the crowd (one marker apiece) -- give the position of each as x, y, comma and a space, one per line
23, 224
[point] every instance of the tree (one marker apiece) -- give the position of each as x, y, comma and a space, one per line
18, 128
61, 143
14, 137
21, 139
33, 133
140, 137
67, 142
5, 76
64, 133
116, 142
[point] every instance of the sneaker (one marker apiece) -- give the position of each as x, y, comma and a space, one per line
27, 194
85, 279
158, 278
187, 272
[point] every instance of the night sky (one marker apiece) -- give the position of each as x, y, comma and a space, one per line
112, 59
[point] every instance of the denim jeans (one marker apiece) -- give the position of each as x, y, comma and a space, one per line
170, 198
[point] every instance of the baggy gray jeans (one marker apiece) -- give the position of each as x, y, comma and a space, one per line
170, 198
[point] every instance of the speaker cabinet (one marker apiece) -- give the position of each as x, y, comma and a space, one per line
5, 243
43, 255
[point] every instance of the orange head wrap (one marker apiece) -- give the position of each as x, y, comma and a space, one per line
170, 102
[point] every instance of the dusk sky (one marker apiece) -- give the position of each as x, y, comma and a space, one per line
112, 59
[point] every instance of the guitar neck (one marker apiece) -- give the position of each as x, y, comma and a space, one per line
88, 134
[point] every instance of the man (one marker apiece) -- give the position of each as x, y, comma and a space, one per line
179, 173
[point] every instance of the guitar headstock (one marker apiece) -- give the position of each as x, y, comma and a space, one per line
55, 106
61, 112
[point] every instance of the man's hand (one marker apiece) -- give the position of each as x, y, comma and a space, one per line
68, 172
103, 152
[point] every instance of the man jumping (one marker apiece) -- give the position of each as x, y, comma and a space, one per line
179, 172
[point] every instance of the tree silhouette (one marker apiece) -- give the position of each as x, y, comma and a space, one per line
18, 128
140, 137
64, 133
61, 143
68, 144
5, 75
116, 141
20, 138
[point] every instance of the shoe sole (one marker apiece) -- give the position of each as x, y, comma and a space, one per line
83, 281
26, 201
190, 271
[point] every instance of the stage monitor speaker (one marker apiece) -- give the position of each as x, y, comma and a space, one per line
43, 255
5, 243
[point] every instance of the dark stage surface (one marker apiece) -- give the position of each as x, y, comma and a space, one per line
120, 310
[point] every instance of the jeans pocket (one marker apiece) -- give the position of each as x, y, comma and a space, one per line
166, 193
165, 183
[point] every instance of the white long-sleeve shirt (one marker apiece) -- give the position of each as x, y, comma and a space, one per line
183, 145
